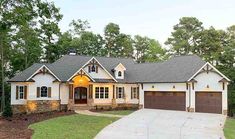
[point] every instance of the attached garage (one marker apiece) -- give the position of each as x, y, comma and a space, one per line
165, 100
208, 102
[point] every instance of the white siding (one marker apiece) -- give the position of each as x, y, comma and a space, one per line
102, 74
15, 101
64, 93
127, 94
212, 80
43, 80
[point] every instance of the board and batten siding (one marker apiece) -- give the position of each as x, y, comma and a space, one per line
102, 74
211, 80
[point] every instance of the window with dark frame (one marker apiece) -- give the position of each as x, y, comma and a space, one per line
93, 68
134, 93
120, 92
21, 92
97, 92
106, 92
119, 74
44, 91
101, 92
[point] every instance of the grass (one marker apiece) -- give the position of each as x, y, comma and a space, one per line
119, 112
229, 128
75, 126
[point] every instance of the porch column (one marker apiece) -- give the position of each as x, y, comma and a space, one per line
114, 97
71, 101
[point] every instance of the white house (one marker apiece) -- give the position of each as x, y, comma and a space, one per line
185, 83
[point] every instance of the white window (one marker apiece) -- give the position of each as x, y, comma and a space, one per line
120, 92
101, 92
21, 92
44, 91
134, 93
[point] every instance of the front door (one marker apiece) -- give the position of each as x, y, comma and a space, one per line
80, 95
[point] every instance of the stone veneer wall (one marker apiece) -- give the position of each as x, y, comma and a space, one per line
19, 109
37, 106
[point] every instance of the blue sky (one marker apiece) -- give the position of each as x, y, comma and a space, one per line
152, 18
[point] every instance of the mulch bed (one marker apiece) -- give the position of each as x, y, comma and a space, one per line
17, 126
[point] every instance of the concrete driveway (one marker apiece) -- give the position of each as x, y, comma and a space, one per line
164, 124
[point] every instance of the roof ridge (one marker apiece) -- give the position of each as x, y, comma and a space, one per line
102, 56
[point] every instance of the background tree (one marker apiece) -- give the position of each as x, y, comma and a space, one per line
183, 38
111, 33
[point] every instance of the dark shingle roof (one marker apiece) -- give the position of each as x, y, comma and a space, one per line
177, 69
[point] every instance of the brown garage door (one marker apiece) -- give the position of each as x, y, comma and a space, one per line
209, 102
165, 100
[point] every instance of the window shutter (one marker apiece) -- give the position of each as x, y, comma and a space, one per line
131, 92
38, 92
17, 92
138, 92
25, 92
49, 92
89, 69
70, 91
96, 69
117, 92
123, 91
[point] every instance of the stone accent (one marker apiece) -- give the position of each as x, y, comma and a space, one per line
70, 104
116, 107
90, 102
19, 109
37, 106
141, 106
190, 109
225, 112
63, 107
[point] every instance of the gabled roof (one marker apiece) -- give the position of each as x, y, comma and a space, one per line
176, 69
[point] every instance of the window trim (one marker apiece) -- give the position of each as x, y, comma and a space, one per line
118, 93
19, 92
119, 74
99, 92
44, 90
134, 93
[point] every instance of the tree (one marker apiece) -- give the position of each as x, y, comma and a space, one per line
111, 33
124, 43
89, 44
211, 44
78, 26
18, 21
155, 52
183, 37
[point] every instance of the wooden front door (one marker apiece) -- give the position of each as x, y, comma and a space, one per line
209, 102
80, 95
165, 100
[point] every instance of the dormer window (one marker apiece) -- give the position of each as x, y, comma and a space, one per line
119, 74
93, 68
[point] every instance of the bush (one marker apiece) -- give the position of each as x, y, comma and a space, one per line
7, 110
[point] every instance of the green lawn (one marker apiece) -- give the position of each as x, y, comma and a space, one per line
119, 112
229, 128
70, 127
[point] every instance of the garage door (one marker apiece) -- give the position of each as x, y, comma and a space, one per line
209, 102
165, 100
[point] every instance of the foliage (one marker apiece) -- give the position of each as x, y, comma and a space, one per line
7, 110
72, 127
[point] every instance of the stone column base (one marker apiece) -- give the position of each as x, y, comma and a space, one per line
225, 112
70, 104
141, 106
191, 109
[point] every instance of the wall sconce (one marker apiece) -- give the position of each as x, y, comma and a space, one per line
207, 86
173, 86
152, 86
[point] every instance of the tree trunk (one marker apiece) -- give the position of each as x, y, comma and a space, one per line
2, 76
